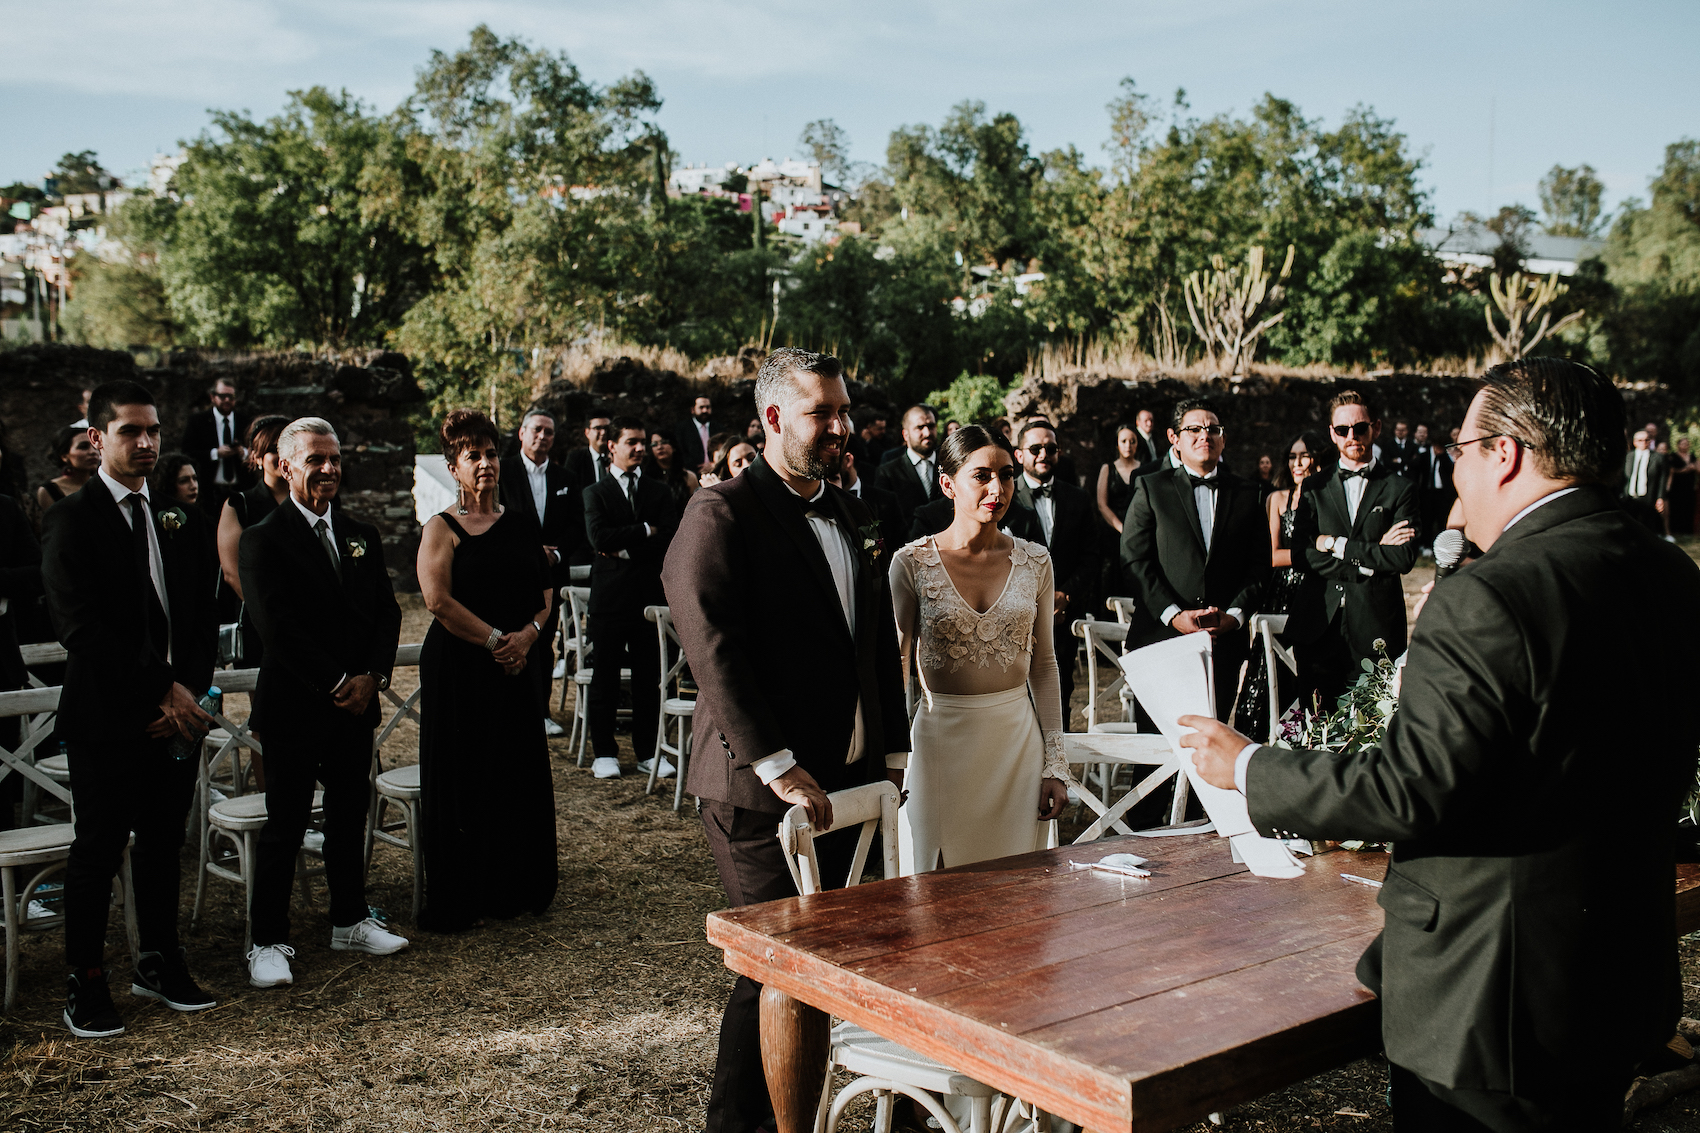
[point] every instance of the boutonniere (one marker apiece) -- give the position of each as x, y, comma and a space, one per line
356, 548
873, 546
172, 519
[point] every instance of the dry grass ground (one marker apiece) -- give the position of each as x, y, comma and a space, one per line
600, 1015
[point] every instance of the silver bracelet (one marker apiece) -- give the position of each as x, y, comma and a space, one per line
494, 639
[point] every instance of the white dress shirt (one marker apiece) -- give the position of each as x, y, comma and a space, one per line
156, 563
1047, 507
702, 432
1244, 758
1355, 488
925, 467
841, 560
1638, 478
219, 422
629, 480
1436, 471
537, 475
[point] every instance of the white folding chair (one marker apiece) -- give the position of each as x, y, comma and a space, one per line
583, 670
883, 1067
1104, 643
46, 850
1148, 749
676, 711
1267, 627
1122, 608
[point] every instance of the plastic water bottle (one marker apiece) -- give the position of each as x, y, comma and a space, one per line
212, 703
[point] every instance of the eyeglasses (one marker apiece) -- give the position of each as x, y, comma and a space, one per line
1355, 429
1452, 450
1042, 450
1205, 430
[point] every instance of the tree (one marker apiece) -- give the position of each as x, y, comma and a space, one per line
1652, 259
118, 297
81, 173
830, 147
1570, 198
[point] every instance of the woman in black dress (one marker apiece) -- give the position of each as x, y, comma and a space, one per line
488, 801
75, 457
1681, 494
1290, 583
245, 509
680, 481
1115, 493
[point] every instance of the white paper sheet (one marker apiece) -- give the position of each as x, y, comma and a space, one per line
1173, 679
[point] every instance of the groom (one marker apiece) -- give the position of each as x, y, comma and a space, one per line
794, 717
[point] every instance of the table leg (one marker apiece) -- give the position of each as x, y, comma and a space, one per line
794, 1041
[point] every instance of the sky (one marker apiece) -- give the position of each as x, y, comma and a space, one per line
1489, 96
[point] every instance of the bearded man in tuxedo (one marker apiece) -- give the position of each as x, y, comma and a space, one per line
778, 546
1522, 972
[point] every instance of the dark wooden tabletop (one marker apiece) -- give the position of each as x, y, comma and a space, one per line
1118, 1003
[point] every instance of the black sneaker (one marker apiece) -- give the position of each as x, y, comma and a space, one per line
88, 1006
165, 976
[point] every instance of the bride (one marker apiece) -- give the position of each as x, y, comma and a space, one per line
987, 768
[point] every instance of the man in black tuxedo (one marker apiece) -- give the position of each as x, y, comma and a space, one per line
20, 584
691, 436
913, 475
1359, 532
1067, 524
868, 440
1145, 446
882, 503
321, 600
1430, 469
1522, 973
1400, 448
215, 439
132, 599
545, 490
590, 464
1196, 544
630, 520
794, 719
1646, 476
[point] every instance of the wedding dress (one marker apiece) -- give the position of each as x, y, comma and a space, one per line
989, 724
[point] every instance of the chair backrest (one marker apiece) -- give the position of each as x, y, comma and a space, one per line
1103, 640
667, 640
578, 605
873, 804
1121, 607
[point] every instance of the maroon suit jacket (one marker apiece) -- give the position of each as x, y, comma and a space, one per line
763, 629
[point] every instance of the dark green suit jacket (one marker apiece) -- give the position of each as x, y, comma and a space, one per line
1543, 742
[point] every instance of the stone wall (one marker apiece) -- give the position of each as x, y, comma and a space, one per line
1262, 415
366, 397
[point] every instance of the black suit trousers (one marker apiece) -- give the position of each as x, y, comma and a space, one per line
120, 789
340, 758
624, 639
745, 845
1421, 1106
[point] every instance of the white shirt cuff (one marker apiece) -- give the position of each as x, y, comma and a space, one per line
213, 452
1367, 572
1168, 615
1237, 614
1339, 550
1244, 758
775, 765
897, 760
648, 530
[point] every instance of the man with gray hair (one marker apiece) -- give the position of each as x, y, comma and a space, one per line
320, 598
795, 717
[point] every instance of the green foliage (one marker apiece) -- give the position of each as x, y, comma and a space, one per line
1571, 200
971, 399
121, 302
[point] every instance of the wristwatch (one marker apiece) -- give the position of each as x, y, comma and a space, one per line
383, 681
538, 628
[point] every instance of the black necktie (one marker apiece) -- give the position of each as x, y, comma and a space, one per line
159, 628
631, 491
324, 530
228, 465
601, 467
1201, 482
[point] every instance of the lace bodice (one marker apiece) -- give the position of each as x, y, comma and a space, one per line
965, 652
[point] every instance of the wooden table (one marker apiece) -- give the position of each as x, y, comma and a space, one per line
1118, 1003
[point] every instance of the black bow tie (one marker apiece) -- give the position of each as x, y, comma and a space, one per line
1043, 491
1201, 482
1347, 473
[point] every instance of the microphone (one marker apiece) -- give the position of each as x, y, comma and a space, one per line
1448, 552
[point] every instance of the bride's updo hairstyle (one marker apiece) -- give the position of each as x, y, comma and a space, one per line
967, 441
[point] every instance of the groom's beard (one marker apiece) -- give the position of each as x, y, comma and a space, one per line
805, 459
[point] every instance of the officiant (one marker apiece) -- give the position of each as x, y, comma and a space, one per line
1526, 780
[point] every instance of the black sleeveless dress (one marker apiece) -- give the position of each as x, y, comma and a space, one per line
250, 507
1251, 716
488, 800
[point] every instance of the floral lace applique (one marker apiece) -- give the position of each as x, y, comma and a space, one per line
953, 634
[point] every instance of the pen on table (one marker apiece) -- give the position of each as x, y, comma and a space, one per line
1361, 880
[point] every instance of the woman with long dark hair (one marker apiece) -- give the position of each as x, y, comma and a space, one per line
75, 457
974, 605
680, 480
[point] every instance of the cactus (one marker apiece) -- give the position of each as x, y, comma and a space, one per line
1519, 300
1223, 304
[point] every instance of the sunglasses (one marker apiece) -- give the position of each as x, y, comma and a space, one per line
1042, 450
1356, 429
1206, 430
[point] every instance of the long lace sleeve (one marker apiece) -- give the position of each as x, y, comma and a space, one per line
906, 606
1042, 675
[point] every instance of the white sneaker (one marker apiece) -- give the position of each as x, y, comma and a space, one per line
605, 767
268, 965
560, 672
667, 769
313, 841
38, 910
367, 936
550, 728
